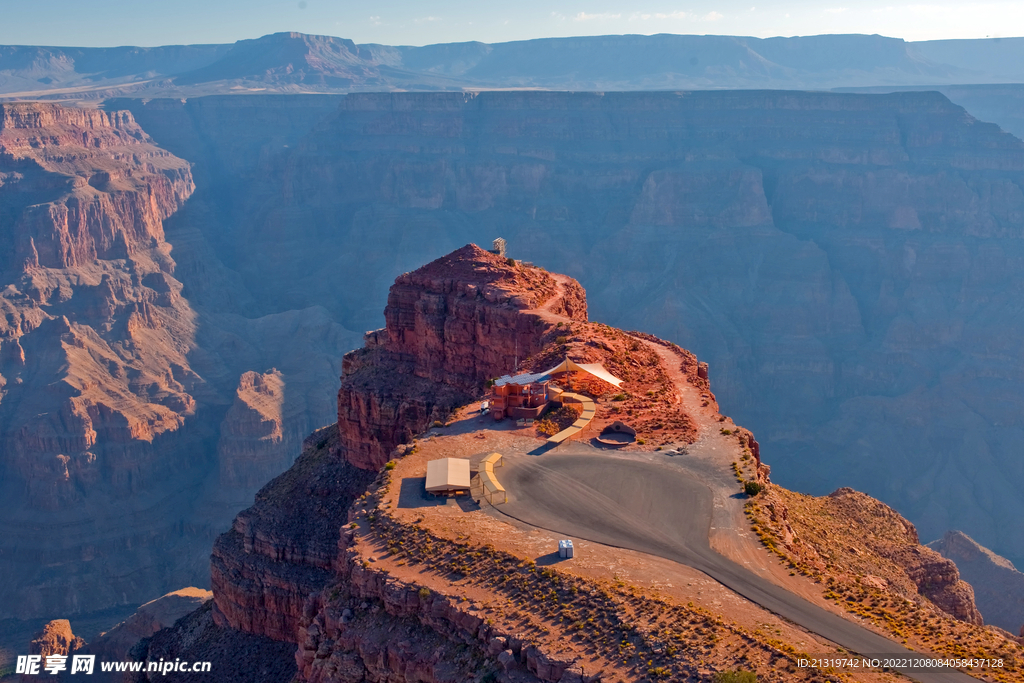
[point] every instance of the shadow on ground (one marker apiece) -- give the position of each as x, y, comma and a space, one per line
413, 494
549, 559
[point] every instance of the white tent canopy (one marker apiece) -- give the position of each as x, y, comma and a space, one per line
447, 474
595, 369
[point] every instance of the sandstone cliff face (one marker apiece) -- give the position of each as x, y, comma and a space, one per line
282, 549
451, 325
855, 258
850, 536
96, 390
998, 585
250, 452
134, 391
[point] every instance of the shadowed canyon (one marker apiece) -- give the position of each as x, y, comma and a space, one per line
182, 279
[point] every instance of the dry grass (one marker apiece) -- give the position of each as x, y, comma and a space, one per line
843, 550
611, 625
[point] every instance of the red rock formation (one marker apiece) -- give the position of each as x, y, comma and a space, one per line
56, 638
282, 549
998, 585
249, 452
95, 383
451, 325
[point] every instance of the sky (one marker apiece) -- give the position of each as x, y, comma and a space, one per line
99, 23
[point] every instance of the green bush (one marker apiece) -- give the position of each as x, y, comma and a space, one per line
751, 488
561, 340
619, 397
735, 677
511, 261
424, 593
390, 465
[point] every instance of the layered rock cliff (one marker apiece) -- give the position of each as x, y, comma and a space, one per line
96, 389
451, 325
144, 396
998, 585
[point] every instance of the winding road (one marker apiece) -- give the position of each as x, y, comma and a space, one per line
659, 506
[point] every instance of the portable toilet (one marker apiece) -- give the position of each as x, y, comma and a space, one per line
562, 549
568, 550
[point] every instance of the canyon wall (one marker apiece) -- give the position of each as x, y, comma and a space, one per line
450, 326
144, 396
849, 264
97, 396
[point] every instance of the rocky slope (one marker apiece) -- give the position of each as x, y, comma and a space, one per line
96, 388
998, 585
136, 404
857, 258
451, 325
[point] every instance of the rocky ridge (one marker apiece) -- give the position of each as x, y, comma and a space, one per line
451, 326
998, 585
866, 558
96, 389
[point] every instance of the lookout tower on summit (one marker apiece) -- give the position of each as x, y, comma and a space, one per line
498, 247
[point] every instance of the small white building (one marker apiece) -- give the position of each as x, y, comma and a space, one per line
447, 476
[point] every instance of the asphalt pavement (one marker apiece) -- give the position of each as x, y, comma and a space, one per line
656, 505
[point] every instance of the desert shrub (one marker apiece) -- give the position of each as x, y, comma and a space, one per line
390, 465
751, 488
735, 677
561, 339
546, 427
424, 593
619, 397
725, 431
511, 261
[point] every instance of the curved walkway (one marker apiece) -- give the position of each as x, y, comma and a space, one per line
581, 422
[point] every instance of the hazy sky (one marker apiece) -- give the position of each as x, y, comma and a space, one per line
408, 22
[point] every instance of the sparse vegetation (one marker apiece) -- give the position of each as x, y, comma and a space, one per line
735, 677
390, 465
751, 488
643, 636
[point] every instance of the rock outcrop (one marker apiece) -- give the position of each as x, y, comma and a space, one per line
451, 325
850, 536
250, 452
56, 638
97, 395
114, 645
998, 585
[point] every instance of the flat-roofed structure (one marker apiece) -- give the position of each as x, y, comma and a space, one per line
447, 476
